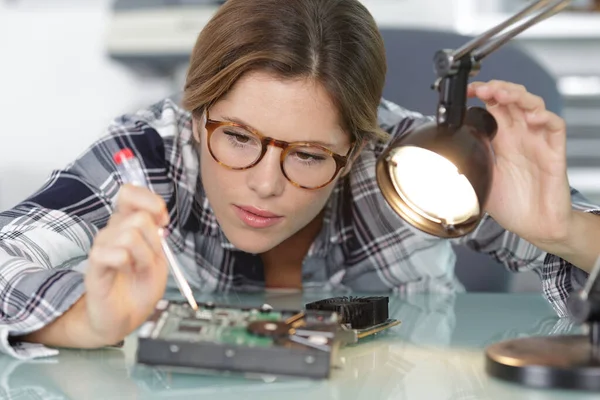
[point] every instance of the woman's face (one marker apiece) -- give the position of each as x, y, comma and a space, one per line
258, 208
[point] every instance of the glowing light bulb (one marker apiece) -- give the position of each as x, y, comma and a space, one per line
432, 186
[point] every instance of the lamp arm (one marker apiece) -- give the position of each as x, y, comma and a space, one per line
490, 47
453, 68
549, 8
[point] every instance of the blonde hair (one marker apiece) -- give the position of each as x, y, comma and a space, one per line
334, 42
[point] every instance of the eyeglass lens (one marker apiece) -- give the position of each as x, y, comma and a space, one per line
307, 166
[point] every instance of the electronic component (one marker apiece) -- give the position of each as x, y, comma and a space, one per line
259, 340
363, 316
236, 339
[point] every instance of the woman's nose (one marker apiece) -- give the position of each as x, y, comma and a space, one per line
266, 178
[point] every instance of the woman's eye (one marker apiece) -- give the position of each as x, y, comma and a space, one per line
238, 137
309, 157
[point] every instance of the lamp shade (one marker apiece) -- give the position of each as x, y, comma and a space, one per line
437, 177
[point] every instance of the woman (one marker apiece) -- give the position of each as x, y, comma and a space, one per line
300, 210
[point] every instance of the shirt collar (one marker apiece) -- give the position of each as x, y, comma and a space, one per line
337, 222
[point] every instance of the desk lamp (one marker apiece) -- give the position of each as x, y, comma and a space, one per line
438, 175
561, 361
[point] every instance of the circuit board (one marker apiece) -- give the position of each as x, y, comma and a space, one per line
219, 325
240, 339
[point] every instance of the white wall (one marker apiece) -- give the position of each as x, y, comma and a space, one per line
58, 90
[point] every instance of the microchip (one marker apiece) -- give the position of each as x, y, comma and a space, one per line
204, 315
190, 328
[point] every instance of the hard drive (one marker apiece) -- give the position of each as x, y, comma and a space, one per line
248, 340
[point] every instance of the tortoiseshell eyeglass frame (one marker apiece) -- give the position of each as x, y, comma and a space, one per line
286, 147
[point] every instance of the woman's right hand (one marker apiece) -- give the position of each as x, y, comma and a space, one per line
127, 271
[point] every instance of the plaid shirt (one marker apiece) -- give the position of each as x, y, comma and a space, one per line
363, 246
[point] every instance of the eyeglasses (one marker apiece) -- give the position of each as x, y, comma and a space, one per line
306, 165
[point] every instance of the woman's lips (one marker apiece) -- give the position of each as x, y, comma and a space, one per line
255, 217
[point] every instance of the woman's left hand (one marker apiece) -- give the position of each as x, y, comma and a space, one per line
530, 192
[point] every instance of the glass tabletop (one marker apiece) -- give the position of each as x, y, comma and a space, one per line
437, 352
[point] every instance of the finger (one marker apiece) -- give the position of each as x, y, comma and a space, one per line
504, 100
481, 91
102, 258
502, 92
106, 235
484, 92
508, 93
132, 231
141, 221
488, 94
133, 198
517, 115
529, 102
472, 88
142, 256
553, 126
145, 224
546, 119
500, 112
507, 97
498, 86
520, 104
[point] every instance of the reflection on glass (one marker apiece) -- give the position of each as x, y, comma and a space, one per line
74, 374
428, 356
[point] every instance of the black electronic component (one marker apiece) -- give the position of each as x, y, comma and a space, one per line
190, 328
357, 312
360, 316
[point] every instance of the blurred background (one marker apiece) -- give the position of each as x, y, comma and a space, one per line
67, 67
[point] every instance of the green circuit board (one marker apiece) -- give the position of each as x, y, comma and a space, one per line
259, 326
